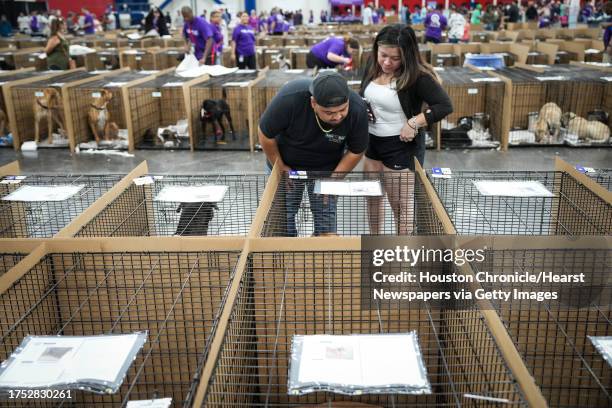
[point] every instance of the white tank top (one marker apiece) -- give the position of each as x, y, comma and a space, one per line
387, 109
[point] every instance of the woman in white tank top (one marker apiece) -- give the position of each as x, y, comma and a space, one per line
397, 84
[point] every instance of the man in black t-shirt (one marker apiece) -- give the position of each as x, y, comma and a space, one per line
314, 125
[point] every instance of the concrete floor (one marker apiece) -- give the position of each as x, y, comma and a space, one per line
56, 161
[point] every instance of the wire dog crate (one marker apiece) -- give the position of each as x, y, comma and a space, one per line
44, 219
572, 209
235, 90
299, 210
550, 335
23, 98
175, 296
156, 103
474, 93
15, 59
283, 294
135, 212
107, 59
602, 177
137, 59
81, 97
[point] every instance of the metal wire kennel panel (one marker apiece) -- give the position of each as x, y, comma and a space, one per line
44, 219
23, 97
13, 251
552, 336
298, 209
573, 209
107, 59
81, 97
602, 177
477, 96
159, 102
528, 95
15, 59
137, 59
175, 296
283, 294
168, 58
6, 80
235, 90
135, 212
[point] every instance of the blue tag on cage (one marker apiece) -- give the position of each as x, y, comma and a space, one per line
298, 174
581, 169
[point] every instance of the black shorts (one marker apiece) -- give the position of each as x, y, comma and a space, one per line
394, 153
312, 61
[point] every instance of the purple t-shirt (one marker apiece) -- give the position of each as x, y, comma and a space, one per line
34, 24
262, 25
244, 37
278, 18
197, 31
254, 23
332, 44
89, 20
434, 23
217, 36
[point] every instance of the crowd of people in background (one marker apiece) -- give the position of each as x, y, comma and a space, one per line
547, 13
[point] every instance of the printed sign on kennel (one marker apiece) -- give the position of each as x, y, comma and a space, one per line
450, 272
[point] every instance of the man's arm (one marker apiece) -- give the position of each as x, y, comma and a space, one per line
348, 162
206, 50
270, 148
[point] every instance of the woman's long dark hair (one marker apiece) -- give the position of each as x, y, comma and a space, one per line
412, 65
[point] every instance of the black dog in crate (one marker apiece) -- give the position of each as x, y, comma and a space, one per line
213, 111
195, 218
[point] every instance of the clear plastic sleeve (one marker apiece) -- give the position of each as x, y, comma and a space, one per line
91, 363
357, 364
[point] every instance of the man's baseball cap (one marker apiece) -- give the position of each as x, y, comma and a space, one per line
329, 89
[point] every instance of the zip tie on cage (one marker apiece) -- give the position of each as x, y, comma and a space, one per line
485, 398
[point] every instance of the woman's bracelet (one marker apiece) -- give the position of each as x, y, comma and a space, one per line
414, 124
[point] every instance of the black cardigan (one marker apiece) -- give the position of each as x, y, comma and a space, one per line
424, 90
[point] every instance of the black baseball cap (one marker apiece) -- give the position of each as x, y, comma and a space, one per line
329, 89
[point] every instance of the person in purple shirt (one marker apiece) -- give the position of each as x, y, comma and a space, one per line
217, 35
262, 24
434, 23
332, 51
254, 21
34, 22
276, 23
197, 34
88, 22
243, 43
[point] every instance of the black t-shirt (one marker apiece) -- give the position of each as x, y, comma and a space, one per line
302, 144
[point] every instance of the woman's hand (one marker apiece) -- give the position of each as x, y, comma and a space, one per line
72, 64
407, 133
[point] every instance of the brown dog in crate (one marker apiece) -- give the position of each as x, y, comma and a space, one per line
47, 106
98, 117
213, 111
